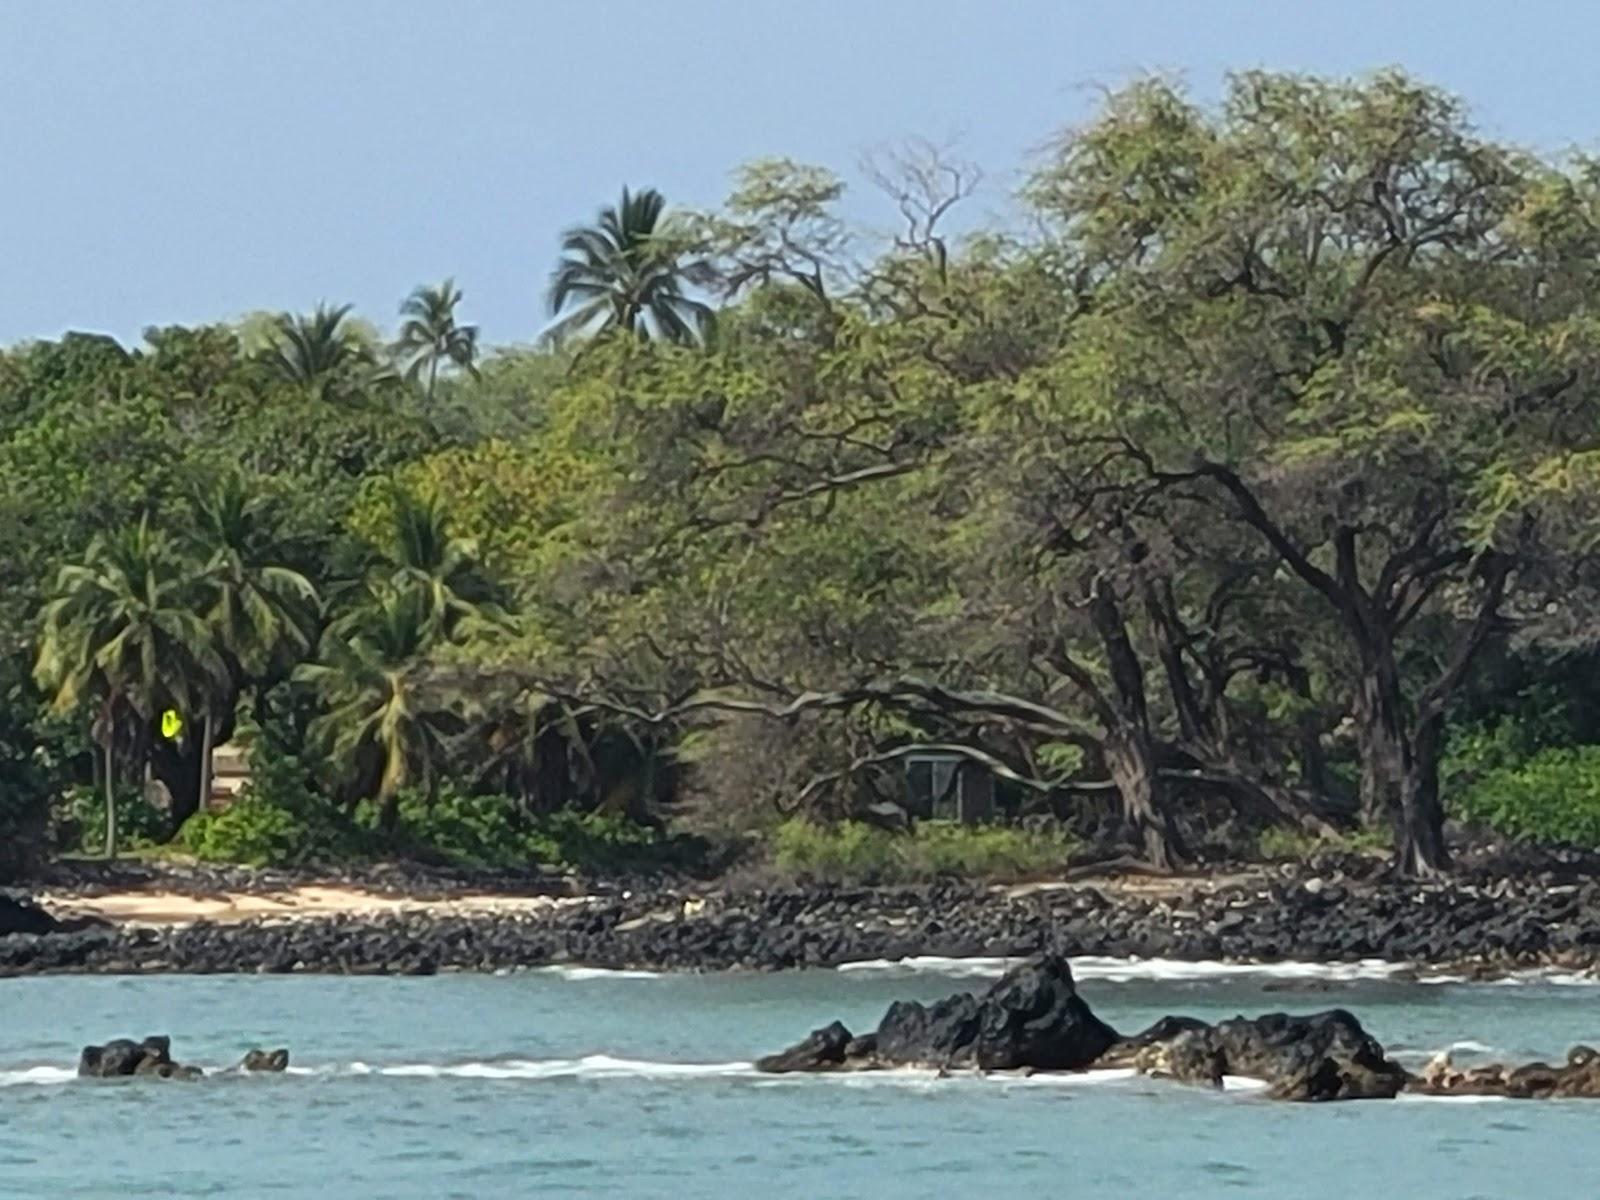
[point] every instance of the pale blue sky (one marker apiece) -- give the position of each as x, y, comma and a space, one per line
190, 160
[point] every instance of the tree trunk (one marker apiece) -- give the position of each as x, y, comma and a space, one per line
1382, 746
552, 770
1419, 835
111, 796
1313, 762
207, 736
1131, 760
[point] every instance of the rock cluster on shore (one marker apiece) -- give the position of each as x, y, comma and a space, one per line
1491, 926
1033, 1019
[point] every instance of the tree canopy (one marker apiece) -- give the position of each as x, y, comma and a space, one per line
1215, 495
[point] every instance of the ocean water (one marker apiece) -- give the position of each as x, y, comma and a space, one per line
588, 1083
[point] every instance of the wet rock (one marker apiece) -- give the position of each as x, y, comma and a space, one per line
1031, 1018
1189, 1056
823, 1049
1579, 1078
124, 1056
265, 1060
1325, 1056
19, 914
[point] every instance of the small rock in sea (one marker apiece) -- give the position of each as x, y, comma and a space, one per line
265, 1060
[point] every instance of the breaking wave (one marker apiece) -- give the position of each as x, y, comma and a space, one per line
1172, 970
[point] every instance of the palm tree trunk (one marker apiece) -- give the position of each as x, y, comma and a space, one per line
111, 796
433, 375
207, 733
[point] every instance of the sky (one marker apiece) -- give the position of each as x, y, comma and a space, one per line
184, 161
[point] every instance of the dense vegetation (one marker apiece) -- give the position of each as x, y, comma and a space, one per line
1248, 486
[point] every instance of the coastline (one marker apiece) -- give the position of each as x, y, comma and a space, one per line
204, 923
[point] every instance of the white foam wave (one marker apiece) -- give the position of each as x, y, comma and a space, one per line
37, 1075
1243, 1083
1129, 970
1172, 970
932, 964
1073, 1078
580, 974
592, 1066
1423, 1098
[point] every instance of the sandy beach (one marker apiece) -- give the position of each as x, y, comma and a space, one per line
312, 900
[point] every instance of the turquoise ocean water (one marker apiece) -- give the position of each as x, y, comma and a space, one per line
588, 1084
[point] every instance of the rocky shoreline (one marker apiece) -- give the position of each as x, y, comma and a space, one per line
1480, 926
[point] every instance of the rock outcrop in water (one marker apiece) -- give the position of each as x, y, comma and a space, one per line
1579, 1077
123, 1057
1034, 1019
256, 1061
1324, 1056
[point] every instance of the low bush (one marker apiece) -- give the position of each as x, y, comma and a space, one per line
854, 852
279, 819
1553, 796
81, 826
252, 831
494, 831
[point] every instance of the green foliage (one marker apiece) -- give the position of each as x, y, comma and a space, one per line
853, 851
605, 842
628, 272
478, 831
279, 819
1125, 481
1551, 797
81, 822
494, 831
251, 831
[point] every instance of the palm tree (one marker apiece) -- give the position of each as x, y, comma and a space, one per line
314, 351
262, 614
430, 334
422, 555
378, 705
122, 627
628, 272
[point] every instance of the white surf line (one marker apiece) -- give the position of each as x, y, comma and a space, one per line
1171, 970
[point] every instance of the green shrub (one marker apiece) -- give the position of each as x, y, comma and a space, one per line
279, 819
494, 831
604, 842
852, 851
1552, 796
1281, 843
251, 831
479, 831
83, 824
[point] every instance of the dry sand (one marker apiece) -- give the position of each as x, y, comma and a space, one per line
175, 908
